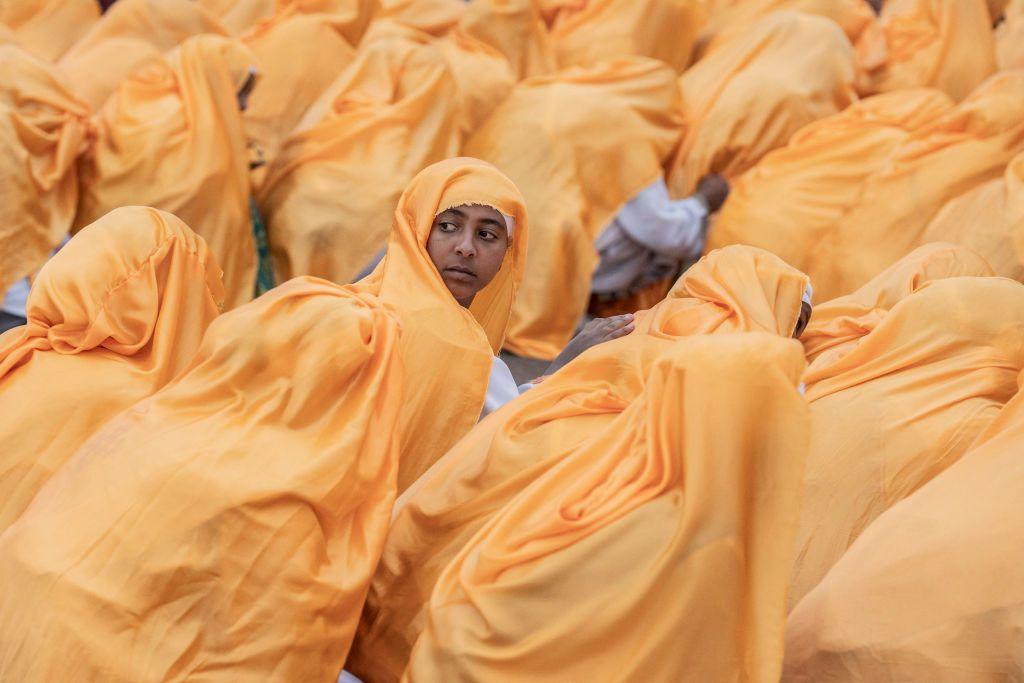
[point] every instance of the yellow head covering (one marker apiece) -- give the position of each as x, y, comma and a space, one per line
680, 516
447, 349
114, 316
172, 138
225, 528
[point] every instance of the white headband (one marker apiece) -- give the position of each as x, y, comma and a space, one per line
808, 293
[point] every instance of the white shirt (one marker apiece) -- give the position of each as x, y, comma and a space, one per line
16, 298
649, 240
501, 387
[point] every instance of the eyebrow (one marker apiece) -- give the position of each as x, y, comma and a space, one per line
485, 221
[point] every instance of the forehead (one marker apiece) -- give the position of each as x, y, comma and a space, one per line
475, 213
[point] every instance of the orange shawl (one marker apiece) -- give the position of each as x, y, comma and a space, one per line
172, 138
48, 28
658, 550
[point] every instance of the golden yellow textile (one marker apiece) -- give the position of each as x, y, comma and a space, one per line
447, 350
737, 289
43, 129
893, 410
48, 28
226, 527
990, 220
1010, 37
658, 550
749, 96
579, 144
932, 590
131, 34
944, 44
112, 318
811, 183
172, 138
329, 196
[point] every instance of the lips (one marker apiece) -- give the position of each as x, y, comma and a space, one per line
460, 272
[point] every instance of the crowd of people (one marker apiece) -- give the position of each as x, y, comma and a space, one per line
511, 340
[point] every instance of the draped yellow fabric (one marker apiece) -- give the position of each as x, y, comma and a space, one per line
1010, 37
901, 406
729, 18
229, 524
684, 507
48, 28
990, 220
750, 95
446, 349
483, 78
516, 29
131, 34
172, 138
43, 129
239, 16
604, 135
932, 590
955, 153
122, 307
945, 44
840, 324
436, 17
300, 55
329, 194
738, 289
812, 182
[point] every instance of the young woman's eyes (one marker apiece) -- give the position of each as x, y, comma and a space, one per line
487, 235
447, 226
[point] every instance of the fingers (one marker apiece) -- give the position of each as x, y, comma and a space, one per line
616, 326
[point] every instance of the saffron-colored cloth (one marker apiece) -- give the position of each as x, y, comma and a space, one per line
131, 34
657, 550
447, 350
960, 150
990, 220
753, 93
793, 197
729, 18
112, 318
944, 44
737, 289
436, 17
840, 324
580, 144
300, 55
483, 78
44, 127
895, 409
932, 589
226, 527
48, 28
172, 138
1010, 37
329, 195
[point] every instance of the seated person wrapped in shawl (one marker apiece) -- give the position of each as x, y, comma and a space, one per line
731, 290
225, 528
657, 550
112, 318
906, 373
172, 138
931, 591
48, 28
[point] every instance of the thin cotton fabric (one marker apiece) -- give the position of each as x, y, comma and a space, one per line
1010, 37
48, 28
686, 504
112, 318
749, 96
447, 350
338, 177
131, 34
738, 289
226, 527
43, 129
990, 220
812, 182
901, 406
932, 590
172, 138
944, 44
580, 144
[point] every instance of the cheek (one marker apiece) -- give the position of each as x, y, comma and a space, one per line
491, 258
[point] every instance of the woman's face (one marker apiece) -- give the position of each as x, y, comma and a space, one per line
467, 245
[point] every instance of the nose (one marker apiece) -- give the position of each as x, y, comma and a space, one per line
464, 247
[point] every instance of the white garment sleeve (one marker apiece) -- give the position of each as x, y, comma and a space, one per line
673, 228
501, 387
